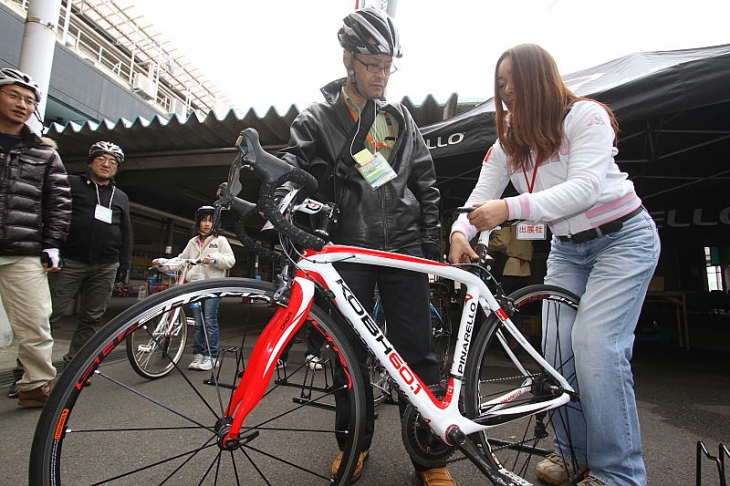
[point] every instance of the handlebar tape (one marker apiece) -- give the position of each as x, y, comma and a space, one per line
243, 208
273, 173
268, 206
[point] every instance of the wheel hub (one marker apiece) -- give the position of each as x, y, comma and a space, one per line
223, 427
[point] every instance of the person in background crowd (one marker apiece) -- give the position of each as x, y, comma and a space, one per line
558, 151
398, 212
98, 249
35, 214
216, 256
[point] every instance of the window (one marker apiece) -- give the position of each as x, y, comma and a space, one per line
714, 270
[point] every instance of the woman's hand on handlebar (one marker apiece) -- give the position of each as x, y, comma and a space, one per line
460, 250
489, 214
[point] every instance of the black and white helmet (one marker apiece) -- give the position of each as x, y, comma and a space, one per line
100, 148
13, 76
370, 31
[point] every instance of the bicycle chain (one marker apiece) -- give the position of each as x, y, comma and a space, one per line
509, 378
525, 440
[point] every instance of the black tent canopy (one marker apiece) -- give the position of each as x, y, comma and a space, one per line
674, 114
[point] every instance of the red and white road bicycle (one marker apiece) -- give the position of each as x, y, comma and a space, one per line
498, 410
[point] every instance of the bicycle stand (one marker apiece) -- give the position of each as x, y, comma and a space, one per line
719, 461
307, 386
216, 373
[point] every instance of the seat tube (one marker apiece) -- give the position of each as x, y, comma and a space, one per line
466, 332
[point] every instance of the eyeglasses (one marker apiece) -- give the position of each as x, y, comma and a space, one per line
16, 97
376, 68
107, 160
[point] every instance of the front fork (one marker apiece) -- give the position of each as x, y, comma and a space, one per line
262, 362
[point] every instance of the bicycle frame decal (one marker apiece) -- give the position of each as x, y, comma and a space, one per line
104, 352
468, 329
365, 318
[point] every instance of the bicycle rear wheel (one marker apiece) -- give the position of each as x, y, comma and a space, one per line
127, 430
156, 347
520, 444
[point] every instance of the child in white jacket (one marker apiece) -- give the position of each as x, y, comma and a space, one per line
216, 256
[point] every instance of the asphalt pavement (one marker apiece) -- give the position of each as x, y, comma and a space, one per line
683, 397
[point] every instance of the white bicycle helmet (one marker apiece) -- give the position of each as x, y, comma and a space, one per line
10, 76
102, 147
203, 211
365, 26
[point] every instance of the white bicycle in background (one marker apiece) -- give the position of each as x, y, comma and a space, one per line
156, 347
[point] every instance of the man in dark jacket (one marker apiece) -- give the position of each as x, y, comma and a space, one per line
396, 210
35, 212
98, 249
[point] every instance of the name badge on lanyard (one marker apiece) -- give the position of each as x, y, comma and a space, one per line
103, 214
530, 231
374, 168
100, 212
525, 229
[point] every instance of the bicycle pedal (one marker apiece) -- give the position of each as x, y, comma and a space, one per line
144, 348
190, 321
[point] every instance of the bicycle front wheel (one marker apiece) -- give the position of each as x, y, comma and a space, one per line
156, 347
498, 379
127, 430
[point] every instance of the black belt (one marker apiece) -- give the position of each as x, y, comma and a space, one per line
604, 229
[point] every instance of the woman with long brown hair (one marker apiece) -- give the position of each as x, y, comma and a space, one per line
558, 151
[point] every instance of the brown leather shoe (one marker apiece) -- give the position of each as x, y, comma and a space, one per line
358, 469
36, 397
438, 476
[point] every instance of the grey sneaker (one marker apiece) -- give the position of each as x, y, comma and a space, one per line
314, 362
207, 363
195, 365
555, 470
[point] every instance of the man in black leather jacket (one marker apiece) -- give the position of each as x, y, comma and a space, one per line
398, 211
35, 213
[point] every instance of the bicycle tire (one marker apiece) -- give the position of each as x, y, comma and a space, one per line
521, 444
126, 430
154, 350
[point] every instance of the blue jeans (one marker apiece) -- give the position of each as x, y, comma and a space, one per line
209, 327
611, 273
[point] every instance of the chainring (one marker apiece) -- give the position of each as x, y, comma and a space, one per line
423, 447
